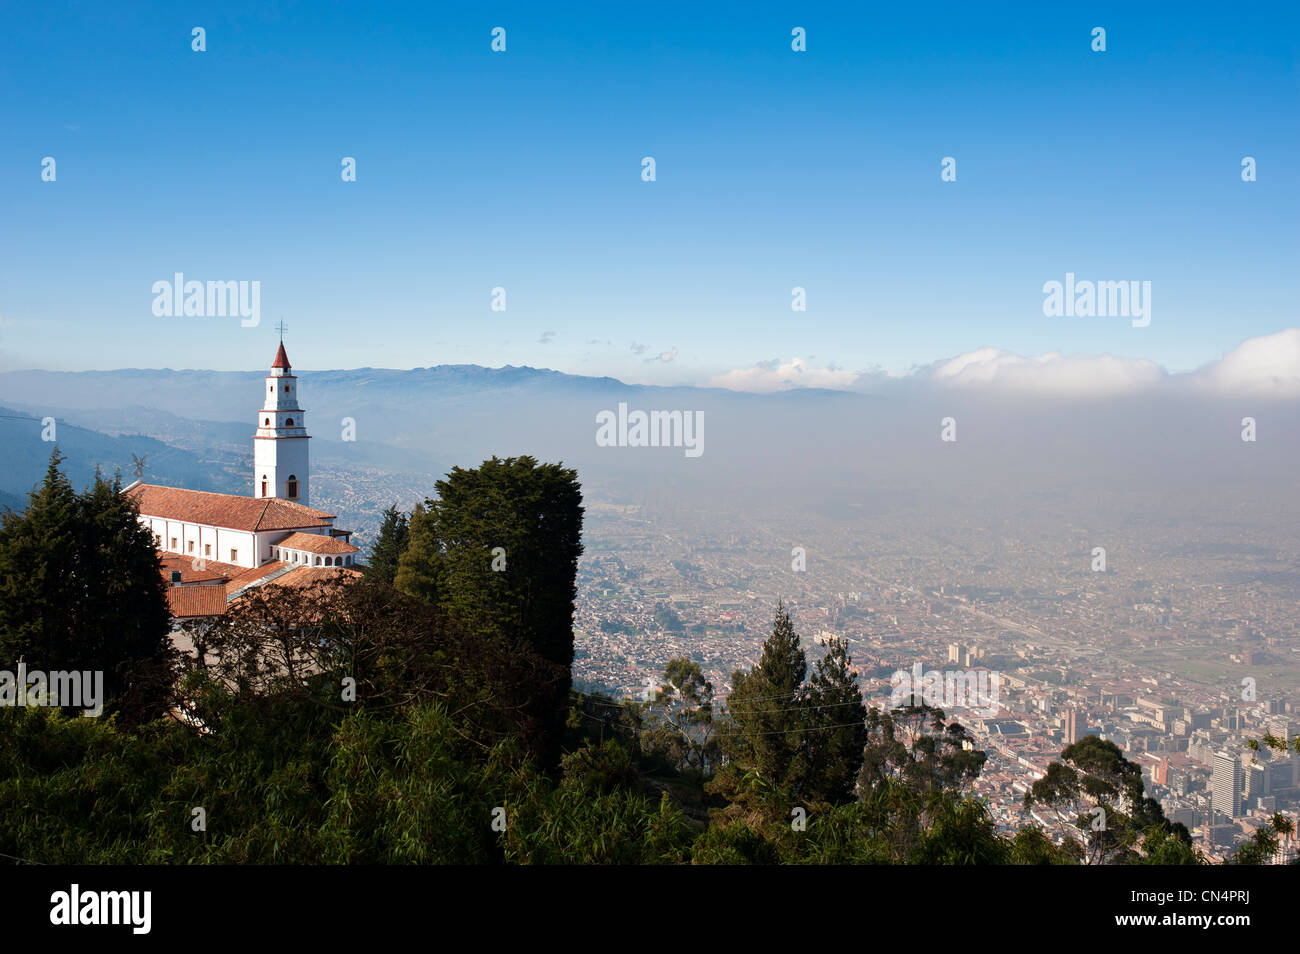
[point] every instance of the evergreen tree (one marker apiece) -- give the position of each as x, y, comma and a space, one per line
81, 589
38, 557
394, 535
836, 731
420, 568
763, 740
498, 549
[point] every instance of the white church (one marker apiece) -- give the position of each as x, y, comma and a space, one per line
216, 546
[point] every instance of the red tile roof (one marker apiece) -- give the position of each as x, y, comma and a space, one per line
187, 602
226, 510
244, 576
281, 359
194, 569
307, 575
316, 543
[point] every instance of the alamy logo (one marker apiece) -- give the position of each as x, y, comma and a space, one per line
1088, 299
74, 907
974, 689
651, 429
179, 298
84, 689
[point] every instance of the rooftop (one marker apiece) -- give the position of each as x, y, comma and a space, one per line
225, 510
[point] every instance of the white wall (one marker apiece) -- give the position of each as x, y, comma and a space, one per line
221, 540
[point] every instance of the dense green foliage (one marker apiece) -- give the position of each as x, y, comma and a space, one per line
498, 549
1097, 798
390, 544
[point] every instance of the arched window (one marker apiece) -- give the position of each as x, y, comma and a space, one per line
293, 487
288, 422
264, 485
318, 561
266, 421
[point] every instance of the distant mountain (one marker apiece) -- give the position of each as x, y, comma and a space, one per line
382, 436
27, 455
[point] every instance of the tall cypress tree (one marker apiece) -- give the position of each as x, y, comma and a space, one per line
420, 568
498, 549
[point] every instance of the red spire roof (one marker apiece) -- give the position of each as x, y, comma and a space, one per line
281, 359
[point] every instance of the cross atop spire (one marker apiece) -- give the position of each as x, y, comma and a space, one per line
280, 327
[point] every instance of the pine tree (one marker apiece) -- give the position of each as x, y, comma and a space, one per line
764, 739
38, 570
385, 555
836, 731
81, 589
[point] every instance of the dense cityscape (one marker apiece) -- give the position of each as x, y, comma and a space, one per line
1179, 653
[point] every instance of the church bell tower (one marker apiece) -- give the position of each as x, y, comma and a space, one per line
280, 444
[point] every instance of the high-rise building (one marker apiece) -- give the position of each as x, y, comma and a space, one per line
1071, 727
1225, 791
1281, 727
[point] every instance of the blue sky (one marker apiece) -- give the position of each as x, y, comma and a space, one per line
523, 170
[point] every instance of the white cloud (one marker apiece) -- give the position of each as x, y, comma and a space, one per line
1267, 366
1050, 374
768, 376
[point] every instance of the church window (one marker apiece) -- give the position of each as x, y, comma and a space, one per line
266, 421
263, 486
288, 422
191, 546
293, 487
174, 547
234, 555
207, 549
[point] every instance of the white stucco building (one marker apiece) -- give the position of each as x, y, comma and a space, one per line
273, 536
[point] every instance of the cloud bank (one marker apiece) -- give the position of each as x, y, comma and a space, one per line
1266, 367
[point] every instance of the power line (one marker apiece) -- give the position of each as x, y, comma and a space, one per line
725, 735
27, 861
